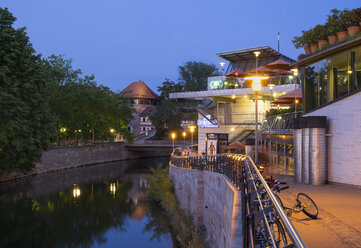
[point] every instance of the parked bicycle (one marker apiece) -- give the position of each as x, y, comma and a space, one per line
303, 203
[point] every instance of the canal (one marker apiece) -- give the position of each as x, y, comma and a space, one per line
94, 206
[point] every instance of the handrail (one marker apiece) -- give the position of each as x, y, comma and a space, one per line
242, 172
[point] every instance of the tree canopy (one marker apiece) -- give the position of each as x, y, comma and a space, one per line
83, 109
193, 75
41, 99
167, 87
166, 117
26, 125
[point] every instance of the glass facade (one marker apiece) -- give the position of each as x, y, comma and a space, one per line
332, 78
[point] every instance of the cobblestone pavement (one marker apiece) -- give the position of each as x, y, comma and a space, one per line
339, 222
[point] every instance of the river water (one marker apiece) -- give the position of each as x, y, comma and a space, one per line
93, 206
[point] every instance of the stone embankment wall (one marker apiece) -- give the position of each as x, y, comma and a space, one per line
60, 158
214, 203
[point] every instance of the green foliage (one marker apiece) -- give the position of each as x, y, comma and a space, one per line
169, 87
275, 111
166, 117
160, 190
84, 110
349, 17
304, 40
27, 125
319, 32
193, 75
335, 21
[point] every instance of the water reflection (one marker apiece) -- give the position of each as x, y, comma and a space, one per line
97, 206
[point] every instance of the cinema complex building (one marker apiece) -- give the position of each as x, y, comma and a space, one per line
321, 144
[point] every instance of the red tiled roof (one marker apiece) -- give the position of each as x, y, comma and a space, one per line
149, 110
139, 89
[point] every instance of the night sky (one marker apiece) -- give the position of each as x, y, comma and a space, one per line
121, 41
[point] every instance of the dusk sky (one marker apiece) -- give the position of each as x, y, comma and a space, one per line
121, 41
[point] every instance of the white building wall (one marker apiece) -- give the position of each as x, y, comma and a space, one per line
243, 107
344, 142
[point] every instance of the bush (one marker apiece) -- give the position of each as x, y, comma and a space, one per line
160, 190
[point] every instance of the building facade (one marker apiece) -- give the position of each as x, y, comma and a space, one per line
331, 84
144, 101
226, 110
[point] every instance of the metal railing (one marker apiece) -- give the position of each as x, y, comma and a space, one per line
279, 124
265, 222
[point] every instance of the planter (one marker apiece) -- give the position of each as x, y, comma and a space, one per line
314, 47
353, 30
307, 50
341, 35
332, 39
321, 43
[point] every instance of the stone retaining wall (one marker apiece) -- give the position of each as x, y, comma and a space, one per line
213, 201
60, 158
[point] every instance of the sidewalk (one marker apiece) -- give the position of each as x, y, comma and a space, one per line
339, 223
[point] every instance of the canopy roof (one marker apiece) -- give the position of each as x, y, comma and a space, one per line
235, 145
279, 64
236, 73
246, 54
291, 95
139, 89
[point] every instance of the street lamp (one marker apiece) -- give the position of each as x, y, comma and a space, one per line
184, 134
173, 138
295, 73
191, 128
256, 85
222, 66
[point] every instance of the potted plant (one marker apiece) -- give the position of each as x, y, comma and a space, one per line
303, 41
320, 35
351, 21
357, 14
331, 30
334, 18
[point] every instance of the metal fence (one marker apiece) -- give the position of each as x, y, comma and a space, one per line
265, 222
280, 124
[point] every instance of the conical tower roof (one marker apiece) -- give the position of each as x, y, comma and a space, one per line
139, 89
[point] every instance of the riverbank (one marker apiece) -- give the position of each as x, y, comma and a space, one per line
182, 225
67, 157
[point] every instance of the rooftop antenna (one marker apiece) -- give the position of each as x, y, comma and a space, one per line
278, 41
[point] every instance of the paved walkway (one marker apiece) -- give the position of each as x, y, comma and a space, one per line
339, 223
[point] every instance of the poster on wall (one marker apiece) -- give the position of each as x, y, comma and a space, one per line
211, 143
222, 142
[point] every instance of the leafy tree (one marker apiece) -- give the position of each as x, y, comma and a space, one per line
193, 75
83, 109
169, 87
26, 125
166, 117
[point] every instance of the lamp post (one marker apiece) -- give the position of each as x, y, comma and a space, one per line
271, 88
173, 138
184, 134
222, 66
192, 131
295, 73
256, 85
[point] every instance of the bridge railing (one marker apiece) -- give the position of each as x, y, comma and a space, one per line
265, 222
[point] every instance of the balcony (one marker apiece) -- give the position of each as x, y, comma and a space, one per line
223, 82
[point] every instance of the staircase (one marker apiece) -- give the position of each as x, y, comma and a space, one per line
242, 135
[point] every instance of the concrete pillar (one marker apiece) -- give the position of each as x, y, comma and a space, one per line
248, 150
317, 154
305, 155
297, 139
284, 157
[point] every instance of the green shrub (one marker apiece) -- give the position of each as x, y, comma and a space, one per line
160, 190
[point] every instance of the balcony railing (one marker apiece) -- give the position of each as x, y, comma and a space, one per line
222, 82
279, 124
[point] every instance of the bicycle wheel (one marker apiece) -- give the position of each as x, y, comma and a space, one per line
279, 234
309, 207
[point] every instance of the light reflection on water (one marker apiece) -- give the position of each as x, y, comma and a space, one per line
94, 206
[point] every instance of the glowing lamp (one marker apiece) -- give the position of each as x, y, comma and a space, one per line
173, 135
184, 134
295, 72
256, 82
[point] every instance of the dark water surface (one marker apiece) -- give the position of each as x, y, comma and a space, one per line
94, 206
